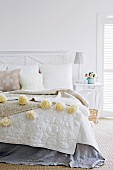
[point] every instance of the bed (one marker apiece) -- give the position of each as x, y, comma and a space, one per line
48, 124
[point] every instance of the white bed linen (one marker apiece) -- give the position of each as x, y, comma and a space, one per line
25, 69
32, 82
57, 76
54, 130
3, 67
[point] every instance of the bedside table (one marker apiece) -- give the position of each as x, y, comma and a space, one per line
92, 93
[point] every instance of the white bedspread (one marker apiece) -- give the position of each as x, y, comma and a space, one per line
54, 130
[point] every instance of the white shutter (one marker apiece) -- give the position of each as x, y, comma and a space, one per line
108, 67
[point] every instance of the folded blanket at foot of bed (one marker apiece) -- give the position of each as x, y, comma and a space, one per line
85, 156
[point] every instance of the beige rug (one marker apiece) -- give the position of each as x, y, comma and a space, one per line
104, 134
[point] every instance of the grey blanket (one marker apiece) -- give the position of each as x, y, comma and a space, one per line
85, 156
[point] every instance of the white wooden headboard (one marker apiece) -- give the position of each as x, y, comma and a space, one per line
23, 57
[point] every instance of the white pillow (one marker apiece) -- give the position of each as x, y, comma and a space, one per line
32, 82
25, 69
57, 76
3, 67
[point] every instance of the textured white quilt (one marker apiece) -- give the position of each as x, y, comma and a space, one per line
54, 130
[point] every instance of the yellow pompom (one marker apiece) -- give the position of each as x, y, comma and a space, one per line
72, 109
46, 104
3, 98
22, 100
31, 115
60, 106
5, 122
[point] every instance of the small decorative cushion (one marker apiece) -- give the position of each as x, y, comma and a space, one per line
10, 80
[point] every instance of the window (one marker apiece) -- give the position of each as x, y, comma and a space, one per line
108, 67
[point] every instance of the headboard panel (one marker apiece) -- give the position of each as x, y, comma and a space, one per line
30, 57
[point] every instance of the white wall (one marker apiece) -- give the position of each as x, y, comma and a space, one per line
52, 25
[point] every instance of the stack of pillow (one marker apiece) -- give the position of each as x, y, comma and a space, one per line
28, 77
